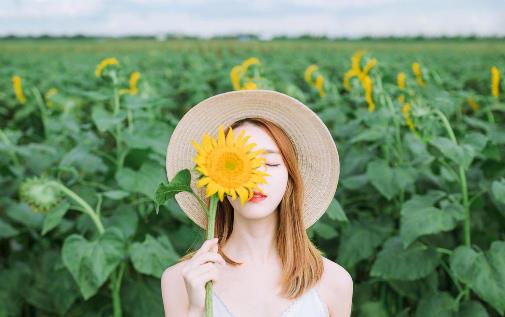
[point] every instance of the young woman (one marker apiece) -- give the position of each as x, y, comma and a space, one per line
262, 262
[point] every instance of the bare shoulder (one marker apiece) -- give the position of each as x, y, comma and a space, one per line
173, 291
336, 289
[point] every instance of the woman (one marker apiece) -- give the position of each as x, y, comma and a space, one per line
262, 262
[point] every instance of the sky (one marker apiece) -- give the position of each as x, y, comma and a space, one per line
266, 18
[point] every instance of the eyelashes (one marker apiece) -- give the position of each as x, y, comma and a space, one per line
273, 164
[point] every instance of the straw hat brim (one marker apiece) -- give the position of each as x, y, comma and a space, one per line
314, 146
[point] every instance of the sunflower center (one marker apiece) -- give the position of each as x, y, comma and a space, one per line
230, 169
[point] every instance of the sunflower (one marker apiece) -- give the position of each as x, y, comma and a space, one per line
229, 166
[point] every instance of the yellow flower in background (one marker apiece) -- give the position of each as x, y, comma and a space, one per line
367, 85
104, 63
18, 89
356, 60
400, 80
235, 74
473, 104
407, 117
238, 71
51, 92
347, 78
228, 166
134, 77
362, 74
416, 68
320, 85
356, 70
250, 85
250, 61
371, 63
495, 82
308, 73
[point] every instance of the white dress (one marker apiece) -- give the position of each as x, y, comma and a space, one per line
309, 304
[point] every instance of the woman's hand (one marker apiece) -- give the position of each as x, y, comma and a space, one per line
199, 270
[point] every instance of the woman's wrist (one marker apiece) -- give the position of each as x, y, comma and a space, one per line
195, 312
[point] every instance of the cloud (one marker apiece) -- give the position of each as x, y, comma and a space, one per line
265, 18
49, 9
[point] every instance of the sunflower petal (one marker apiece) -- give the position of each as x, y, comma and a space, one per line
230, 137
220, 194
207, 142
211, 189
202, 182
197, 146
242, 192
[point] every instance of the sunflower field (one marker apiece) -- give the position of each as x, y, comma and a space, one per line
418, 218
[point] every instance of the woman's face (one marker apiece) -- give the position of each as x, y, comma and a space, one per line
274, 165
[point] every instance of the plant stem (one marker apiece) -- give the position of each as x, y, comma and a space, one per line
210, 235
118, 125
86, 208
115, 287
42, 107
464, 191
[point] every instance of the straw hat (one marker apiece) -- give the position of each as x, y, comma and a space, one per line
314, 146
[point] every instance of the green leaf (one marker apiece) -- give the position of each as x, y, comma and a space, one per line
153, 256
142, 181
105, 120
91, 262
54, 216
324, 230
23, 214
459, 154
471, 309
373, 309
86, 162
6, 230
149, 135
371, 134
43, 292
354, 182
411, 263
116, 194
124, 218
382, 178
181, 182
14, 279
335, 211
145, 293
498, 191
416, 289
439, 304
483, 272
477, 140
387, 180
361, 237
419, 217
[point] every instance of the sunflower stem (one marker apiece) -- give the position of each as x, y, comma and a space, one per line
210, 235
86, 208
464, 191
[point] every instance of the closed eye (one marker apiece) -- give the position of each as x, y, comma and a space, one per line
273, 164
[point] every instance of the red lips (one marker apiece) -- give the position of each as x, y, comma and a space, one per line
257, 193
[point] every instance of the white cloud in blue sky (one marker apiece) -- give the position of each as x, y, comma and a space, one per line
265, 18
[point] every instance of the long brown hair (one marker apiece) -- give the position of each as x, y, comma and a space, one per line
302, 263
